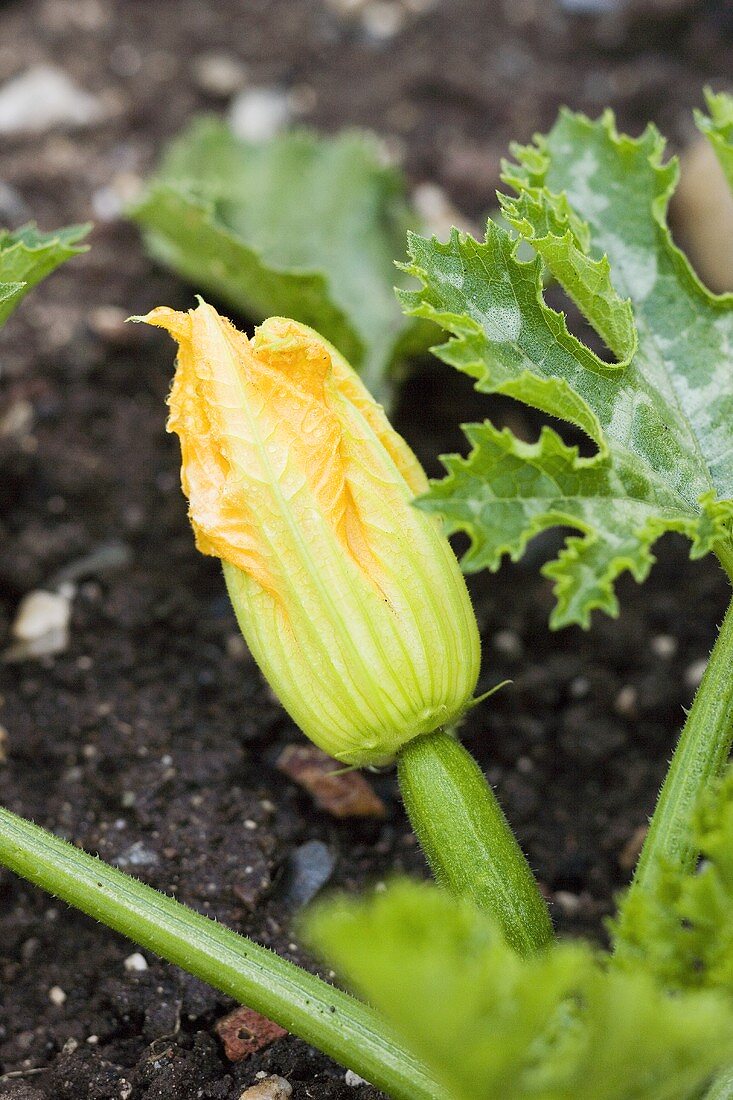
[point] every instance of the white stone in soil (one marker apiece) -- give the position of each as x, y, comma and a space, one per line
383, 19
695, 672
271, 1088
259, 114
43, 98
219, 74
41, 626
437, 212
664, 646
136, 963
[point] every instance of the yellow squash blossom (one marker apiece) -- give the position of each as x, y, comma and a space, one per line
350, 599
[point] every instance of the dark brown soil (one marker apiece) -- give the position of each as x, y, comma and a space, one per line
152, 740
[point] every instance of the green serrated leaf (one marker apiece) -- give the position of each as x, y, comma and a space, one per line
303, 226
550, 224
27, 257
718, 128
592, 204
554, 1026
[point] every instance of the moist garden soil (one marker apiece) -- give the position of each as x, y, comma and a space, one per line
152, 739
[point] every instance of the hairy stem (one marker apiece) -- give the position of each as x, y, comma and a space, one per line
466, 839
336, 1023
701, 754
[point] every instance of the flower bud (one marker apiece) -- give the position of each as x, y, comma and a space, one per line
350, 599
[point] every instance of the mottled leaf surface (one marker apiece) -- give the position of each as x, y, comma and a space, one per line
592, 203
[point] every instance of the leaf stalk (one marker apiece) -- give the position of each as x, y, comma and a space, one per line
700, 757
339, 1025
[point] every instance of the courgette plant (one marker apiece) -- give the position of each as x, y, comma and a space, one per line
466, 993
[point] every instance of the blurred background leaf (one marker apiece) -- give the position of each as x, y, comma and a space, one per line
302, 226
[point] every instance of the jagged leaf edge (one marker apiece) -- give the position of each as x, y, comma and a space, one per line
29, 240
457, 350
533, 161
532, 164
716, 518
569, 246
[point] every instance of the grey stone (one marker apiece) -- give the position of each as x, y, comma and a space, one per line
43, 98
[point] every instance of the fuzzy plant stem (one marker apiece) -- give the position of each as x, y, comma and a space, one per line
701, 754
336, 1023
467, 840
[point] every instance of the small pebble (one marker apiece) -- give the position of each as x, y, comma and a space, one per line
110, 202
43, 98
525, 765
580, 687
626, 702
137, 855
243, 1032
40, 612
310, 867
383, 19
569, 903
56, 995
271, 1088
695, 672
509, 643
353, 1080
341, 793
259, 114
632, 848
136, 963
664, 646
438, 213
109, 324
41, 626
17, 420
236, 647
219, 74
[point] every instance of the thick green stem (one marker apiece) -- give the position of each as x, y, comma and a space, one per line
701, 754
331, 1020
466, 839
